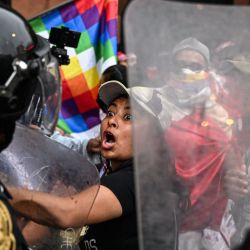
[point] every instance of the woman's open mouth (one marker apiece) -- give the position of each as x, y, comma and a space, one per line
108, 140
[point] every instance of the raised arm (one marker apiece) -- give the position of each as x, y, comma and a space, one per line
70, 211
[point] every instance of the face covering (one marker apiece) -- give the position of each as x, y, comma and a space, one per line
189, 94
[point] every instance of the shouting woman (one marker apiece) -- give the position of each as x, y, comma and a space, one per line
112, 219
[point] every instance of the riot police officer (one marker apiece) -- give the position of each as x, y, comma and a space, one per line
26, 70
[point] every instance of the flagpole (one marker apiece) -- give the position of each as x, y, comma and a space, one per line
51, 9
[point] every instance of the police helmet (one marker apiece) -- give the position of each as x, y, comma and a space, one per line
29, 75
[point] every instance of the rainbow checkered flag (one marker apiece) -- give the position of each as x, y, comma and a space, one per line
96, 51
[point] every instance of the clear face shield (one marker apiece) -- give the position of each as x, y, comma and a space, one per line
192, 172
46, 101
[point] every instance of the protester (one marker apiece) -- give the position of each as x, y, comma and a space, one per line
122, 58
112, 219
235, 75
91, 147
200, 131
202, 119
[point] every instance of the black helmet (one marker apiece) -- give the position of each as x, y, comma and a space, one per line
27, 68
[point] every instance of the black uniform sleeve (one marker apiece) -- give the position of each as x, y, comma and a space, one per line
121, 183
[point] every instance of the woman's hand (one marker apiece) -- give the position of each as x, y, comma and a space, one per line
236, 183
94, 145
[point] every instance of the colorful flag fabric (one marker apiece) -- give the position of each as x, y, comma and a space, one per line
96, 51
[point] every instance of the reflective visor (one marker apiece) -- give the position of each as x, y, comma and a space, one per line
16, 36
17, 41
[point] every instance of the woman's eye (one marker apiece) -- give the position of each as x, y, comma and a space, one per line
110, 113
128, 117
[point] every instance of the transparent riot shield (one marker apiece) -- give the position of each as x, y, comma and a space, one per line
36, 162
190, 89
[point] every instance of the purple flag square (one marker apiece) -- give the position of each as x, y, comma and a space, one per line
91, 117
69, 108
112, 27
90, 17
69, 12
